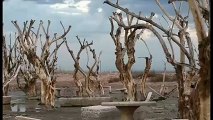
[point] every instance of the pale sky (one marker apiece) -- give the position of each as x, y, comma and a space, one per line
89, 20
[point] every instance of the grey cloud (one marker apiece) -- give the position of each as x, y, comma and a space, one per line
46, 1
92, 26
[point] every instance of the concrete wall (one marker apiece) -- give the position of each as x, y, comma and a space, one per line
100, 113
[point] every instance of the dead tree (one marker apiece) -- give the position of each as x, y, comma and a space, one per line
45, 62
131, 35
146, 72
27, 72
201, 12
91, 77
11, 64
30, 78
94, 81
184, 82
145, 75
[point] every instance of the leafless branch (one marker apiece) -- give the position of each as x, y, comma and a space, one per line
62, 36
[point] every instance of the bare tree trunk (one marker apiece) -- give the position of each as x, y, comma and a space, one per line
43, 91
126, 77
185, 101
131, 91
204, 83
80, 88
143, 86
195, 104
204, 57
130, 86
184, 84
145, 75
32, 88
87, 87
101, 88
6, 89
48, 93
181, 104
162, 89
78, 82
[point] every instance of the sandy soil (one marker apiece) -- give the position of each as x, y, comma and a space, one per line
165, 109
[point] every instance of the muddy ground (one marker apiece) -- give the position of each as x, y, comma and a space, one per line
164, 110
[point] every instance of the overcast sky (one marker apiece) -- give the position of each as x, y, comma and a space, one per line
89, 20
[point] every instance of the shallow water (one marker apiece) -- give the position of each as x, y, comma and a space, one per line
31, 108
20, 103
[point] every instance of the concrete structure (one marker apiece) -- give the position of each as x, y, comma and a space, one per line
127, 109
34, 98
25, 118
180, 119
83, 101
58, 92
100, 113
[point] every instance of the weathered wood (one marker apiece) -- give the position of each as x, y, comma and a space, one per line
155, 91
162, 89
145, 75
44, 63
28, 73
130, 38
11, 64
91, 78
149, 95
204, 58
180, 22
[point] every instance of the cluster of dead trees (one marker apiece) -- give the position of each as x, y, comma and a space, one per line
22, 60
11, 64
191, 99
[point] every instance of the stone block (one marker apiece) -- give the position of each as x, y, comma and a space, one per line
100, 113
25, 118
58, 92
180, 119
83, 101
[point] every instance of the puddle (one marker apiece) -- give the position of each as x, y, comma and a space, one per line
22, 107
21, 104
